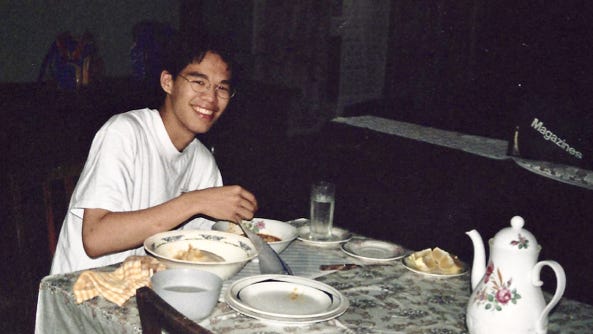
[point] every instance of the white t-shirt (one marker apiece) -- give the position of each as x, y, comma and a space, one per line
132, 165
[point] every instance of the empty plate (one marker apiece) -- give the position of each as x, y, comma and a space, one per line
285, 298
373, 250
291, 298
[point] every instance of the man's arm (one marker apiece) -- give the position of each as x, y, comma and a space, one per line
105, 232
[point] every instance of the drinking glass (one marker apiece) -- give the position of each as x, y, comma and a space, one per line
322, 210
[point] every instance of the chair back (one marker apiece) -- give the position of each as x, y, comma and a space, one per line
157, 315
57, 189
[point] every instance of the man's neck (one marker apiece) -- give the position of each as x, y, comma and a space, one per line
179, 139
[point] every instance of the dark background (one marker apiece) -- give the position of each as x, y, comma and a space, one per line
470, 64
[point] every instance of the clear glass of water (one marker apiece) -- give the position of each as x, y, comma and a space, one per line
322, 210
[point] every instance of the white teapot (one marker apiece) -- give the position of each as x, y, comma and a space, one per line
506, 296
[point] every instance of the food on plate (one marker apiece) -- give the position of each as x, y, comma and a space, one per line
435, 261
294, 295
234, 228
195, 254
268, 238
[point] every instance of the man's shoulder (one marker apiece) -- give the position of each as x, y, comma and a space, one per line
134, 118
137, 115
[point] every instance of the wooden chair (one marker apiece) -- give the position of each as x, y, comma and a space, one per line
156, 314
57, 189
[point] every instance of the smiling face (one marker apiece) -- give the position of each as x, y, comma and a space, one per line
186, 112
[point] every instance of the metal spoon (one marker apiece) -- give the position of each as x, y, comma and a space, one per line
210, 257
269, 261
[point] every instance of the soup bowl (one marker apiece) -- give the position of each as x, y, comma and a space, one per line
284, 232
171, 249
192, 292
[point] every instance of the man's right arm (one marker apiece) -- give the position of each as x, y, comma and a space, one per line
105, 232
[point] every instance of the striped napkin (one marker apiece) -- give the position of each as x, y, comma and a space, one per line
119, 285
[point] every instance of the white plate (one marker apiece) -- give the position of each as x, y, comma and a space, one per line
287, 299
410, 266
373, 250
563, 173
338, 236
294, 299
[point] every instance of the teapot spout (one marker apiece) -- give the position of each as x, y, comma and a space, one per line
479, 263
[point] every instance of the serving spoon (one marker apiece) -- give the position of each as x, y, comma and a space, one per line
210, 257
269, 261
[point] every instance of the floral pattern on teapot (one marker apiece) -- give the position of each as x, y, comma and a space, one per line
523, 243
496, 293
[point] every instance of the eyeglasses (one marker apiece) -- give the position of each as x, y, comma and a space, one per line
202, 85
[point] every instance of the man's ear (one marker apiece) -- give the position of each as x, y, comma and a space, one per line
167, 81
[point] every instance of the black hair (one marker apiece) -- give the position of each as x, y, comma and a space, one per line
184, 49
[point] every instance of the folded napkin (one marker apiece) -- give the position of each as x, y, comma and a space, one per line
119, 285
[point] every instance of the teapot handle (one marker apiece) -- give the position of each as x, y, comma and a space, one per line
542, 325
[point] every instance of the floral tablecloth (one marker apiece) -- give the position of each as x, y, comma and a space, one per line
384, 298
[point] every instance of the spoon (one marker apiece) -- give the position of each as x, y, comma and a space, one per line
269, 261
210, 257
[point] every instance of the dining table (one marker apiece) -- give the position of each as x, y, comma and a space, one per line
383, 297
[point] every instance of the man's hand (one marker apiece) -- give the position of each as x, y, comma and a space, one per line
231, 203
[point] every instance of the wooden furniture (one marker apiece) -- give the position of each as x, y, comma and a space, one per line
57, 189
156, 314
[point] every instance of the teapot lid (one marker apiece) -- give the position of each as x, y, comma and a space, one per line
515, 237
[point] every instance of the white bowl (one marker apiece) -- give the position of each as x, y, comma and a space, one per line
192, 292
235, 249
284, 231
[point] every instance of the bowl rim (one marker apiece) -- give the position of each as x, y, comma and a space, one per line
188, 233
293, 235
184, 271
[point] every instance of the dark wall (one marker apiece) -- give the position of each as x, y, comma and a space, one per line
29, 28
467, 65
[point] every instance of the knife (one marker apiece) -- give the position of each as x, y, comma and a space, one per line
269, 261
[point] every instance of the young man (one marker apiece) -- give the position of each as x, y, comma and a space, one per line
147, 173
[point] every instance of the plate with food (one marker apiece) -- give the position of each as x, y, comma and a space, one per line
373, 250
285, 298
435, 262
277, 234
